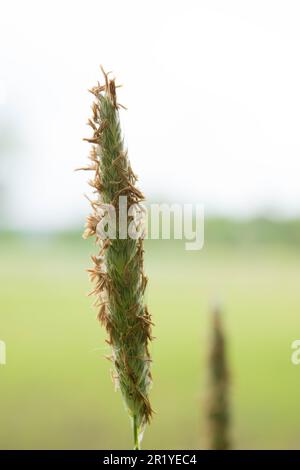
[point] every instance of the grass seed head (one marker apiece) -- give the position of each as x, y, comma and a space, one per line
118, 273
218, 412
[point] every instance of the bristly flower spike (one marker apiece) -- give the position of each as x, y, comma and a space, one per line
218, 412
118, 273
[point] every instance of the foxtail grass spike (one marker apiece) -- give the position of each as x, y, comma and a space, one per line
117, 269
218, 412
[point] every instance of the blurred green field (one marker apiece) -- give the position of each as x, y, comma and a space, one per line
56, 391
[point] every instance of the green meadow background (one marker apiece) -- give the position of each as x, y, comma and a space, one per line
56, 391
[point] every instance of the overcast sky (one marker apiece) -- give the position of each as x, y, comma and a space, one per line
213, 96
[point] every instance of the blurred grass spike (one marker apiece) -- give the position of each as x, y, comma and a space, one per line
218, 412
117, 270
